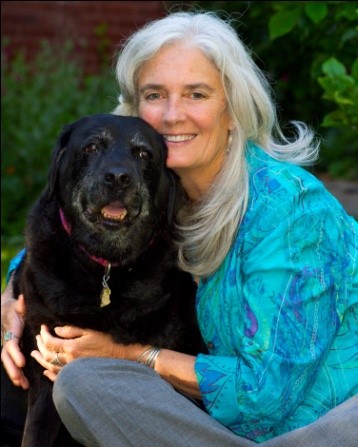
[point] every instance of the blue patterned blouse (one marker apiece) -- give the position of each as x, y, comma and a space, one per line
280, 315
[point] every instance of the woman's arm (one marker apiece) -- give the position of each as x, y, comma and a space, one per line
175, 367
178, 369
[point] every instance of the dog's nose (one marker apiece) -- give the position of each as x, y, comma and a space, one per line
117, 176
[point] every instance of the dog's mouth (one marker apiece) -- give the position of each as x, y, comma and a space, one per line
112, 215
114, 212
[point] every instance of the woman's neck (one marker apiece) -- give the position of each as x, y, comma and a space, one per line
196, 183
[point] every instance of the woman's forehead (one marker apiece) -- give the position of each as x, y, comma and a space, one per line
179, 63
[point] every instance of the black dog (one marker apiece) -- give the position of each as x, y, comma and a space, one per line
104, 224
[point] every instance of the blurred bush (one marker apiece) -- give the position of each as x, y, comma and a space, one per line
37, 101
308, 49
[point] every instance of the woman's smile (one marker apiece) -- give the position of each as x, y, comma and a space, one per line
181, 138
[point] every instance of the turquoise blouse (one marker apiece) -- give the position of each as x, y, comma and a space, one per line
280, 315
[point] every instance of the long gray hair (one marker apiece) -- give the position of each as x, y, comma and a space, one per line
207, 228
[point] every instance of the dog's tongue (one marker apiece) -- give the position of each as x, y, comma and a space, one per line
114, 211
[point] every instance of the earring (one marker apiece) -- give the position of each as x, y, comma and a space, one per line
229, 141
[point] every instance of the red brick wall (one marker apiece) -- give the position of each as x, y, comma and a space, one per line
26, 23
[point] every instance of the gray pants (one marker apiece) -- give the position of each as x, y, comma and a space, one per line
115, 403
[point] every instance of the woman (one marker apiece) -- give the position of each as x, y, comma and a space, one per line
275, 256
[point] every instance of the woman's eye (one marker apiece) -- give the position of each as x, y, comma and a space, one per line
197, 95
152, 96
91, 148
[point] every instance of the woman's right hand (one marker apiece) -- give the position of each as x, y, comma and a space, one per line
12, 320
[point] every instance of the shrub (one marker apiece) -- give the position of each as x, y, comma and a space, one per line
37, 101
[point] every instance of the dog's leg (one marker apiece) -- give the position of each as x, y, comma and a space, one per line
43, 422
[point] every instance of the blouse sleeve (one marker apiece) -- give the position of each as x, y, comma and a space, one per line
14, 263
294, 273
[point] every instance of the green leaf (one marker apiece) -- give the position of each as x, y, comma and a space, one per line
316, 11
283, 22
347, 10
334, 119
332, 67
327, 83
341, 100
341, 82
355, 69
349, 34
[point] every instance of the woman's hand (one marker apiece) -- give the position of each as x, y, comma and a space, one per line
12, 321
72, 343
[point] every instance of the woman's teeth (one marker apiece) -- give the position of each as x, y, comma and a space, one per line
178, 138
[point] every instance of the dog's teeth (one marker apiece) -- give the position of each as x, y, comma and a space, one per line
114, 211
118, 217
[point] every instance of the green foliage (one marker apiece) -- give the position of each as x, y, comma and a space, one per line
283, 22
37, 101
287, 16
341, 89
309, 51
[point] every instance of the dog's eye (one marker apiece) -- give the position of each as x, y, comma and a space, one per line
142, 153
90, 148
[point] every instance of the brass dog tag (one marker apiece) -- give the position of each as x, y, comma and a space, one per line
105, 296
106, 291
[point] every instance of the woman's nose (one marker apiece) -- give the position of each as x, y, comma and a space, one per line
174, 111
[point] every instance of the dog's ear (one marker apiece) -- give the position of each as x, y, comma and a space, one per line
177, 197
56, 158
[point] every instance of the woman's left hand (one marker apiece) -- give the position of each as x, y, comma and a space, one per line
73, 342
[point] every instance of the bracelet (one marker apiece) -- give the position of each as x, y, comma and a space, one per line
149, 357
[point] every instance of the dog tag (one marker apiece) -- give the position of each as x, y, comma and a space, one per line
105, 296
106, 291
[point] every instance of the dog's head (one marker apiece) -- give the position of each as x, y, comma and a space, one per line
109, 176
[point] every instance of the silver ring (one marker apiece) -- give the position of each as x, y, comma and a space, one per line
56, 361
10, 336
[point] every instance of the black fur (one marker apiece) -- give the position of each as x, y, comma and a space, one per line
101, 160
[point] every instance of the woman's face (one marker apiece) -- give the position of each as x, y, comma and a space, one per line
181, 96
